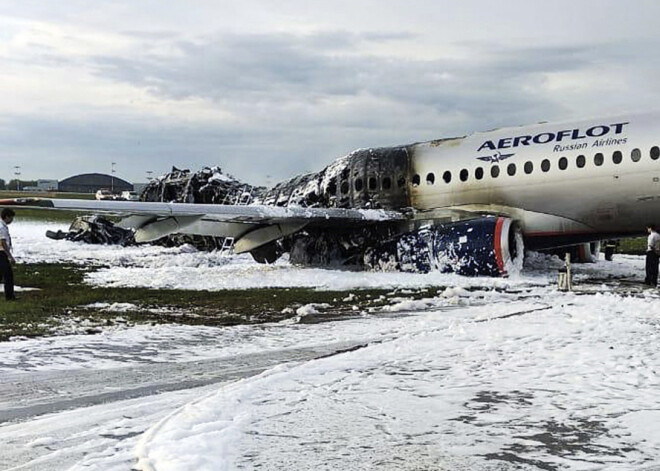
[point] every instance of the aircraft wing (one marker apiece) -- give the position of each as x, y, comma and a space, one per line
251, 226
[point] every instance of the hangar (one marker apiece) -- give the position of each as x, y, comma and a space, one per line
90, 182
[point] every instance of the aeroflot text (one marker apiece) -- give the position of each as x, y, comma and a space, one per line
547, 137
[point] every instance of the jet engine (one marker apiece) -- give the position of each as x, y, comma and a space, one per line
488, 246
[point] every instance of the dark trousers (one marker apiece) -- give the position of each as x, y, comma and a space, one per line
651, 268
8, 275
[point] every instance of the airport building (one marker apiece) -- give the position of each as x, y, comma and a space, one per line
91, 182
43, 185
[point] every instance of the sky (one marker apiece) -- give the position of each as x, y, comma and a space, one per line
270, 89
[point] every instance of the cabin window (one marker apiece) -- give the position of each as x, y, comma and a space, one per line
430, 178
344, 187
359, 184
446, 176
511, 169
495, 171
655, 152
373, 183
401, 181
416, 180
387, 183
635, 155
479, 173
345, 173
599, 159
332, 186
617, 157
545, 165
581, 161
529, 167
464, 175
563, 163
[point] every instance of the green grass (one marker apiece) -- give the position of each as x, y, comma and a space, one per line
62, 296
633, 246
45, 194
45, 214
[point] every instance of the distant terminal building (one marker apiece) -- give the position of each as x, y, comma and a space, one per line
44, 185
91, 182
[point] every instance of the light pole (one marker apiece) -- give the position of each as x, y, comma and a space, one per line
17, 172
112, 177
149, 173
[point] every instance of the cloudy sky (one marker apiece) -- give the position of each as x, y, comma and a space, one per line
268, 89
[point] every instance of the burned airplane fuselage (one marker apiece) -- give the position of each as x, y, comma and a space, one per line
364, 179
378, 178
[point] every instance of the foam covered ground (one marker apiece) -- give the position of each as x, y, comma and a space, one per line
492, 374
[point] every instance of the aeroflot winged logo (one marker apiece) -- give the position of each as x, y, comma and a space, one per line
577, 134
496, 157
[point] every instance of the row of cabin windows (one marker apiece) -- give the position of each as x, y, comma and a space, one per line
359, 184
528, 167
511, 169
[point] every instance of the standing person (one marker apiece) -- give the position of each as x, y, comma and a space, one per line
652, 256
6, 258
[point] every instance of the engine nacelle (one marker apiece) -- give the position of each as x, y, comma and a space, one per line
489, 246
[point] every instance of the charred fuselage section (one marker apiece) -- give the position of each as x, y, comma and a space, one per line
208, 186
364, 179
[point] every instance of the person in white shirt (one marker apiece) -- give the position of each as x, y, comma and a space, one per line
652, 256
6, 258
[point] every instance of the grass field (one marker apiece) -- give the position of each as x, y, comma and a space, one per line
61, 301
45, 194
45, 214
634, 246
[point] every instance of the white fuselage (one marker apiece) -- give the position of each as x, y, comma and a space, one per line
598, 176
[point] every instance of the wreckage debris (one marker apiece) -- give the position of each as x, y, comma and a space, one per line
95, 230
208, 186
363, 179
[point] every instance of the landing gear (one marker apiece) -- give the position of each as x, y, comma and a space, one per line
610, 248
